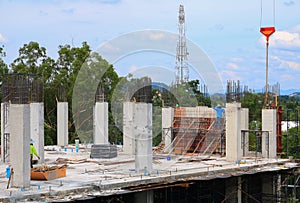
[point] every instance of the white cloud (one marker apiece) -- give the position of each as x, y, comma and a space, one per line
2, 38
231, 75
296, 28
293, 65
156, 36
289, 3
287, 77
236, 59
132, 68
286, 64
110, 47
233, 66
286, 40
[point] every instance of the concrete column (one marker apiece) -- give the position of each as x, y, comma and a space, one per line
143, 134
233, 132
100, 123
268, 188
245, 126
62, 123
128, 136
167, 123
5, 140
269, 124
239, 191
231, 191
19, 119
37, 128
144, 196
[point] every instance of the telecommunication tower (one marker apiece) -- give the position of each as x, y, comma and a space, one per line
182, 71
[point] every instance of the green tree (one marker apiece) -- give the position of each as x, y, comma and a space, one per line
254, 102
94, 72
3, 66
3, 69
202, 99
34, 60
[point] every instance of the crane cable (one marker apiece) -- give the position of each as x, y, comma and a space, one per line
261, 12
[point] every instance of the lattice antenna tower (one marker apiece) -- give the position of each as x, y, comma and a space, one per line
182, 71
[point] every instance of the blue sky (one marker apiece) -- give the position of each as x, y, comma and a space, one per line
227, 31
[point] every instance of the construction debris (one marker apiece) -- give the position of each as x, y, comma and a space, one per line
45, 172
44, 168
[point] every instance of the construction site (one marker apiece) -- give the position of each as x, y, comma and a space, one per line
202, 157
204, 154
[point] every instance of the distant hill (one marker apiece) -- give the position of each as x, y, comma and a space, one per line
160, 86
295, 94
289, 91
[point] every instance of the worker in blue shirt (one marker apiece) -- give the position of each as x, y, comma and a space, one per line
220, 111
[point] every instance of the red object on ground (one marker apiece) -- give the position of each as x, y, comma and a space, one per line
267, 31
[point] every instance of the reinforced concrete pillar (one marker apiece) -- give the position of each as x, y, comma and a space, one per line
167, 123
233, 132
144, 196
268, 187
128, 135
5, 135
269, 143
245, 126
37, 128
100, 123
232, 191
62, 123
143, 137
19, 119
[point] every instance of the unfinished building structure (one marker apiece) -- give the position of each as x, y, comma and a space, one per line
137, 125
62, 118
193, 130
197, 131
22, 119
100, 115
101, 147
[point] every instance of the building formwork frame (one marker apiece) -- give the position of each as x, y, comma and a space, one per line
260, 134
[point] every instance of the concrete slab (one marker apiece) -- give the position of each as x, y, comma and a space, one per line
95, 177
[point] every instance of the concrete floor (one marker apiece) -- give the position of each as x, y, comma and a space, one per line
94, 177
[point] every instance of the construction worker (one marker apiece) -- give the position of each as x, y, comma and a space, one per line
33, 152
220, 111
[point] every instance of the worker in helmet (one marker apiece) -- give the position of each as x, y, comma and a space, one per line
33, 152
220, 111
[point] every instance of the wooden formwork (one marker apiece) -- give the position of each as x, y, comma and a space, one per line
195, 132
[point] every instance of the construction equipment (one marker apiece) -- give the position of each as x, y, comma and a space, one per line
267, 32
